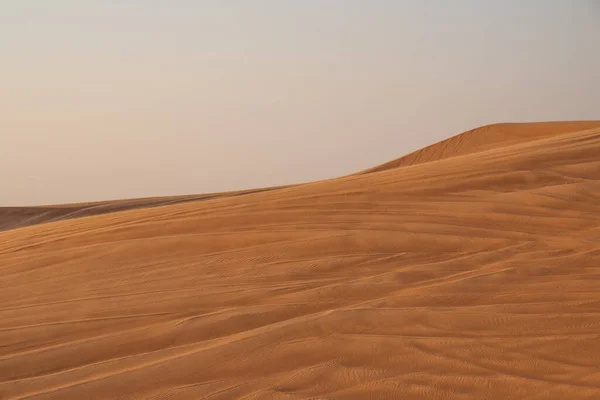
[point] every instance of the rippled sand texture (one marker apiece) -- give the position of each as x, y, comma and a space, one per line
468, 270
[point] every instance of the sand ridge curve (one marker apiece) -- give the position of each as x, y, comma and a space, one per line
465, 277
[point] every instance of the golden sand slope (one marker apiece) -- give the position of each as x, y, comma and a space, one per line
484, 138
479, 139
475, 276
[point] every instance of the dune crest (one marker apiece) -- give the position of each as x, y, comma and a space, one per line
486, 137
478, 139
467, 270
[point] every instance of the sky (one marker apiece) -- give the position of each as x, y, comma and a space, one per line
111, 99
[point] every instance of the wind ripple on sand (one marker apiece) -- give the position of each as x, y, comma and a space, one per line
470, 275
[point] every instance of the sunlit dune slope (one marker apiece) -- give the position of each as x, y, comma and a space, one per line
486, 137
475, 276
479, 139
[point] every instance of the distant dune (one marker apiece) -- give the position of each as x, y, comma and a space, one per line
467, 270
18, 217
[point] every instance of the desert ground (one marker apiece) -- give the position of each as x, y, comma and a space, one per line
467, 270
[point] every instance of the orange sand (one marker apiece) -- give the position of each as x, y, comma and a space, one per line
467, 270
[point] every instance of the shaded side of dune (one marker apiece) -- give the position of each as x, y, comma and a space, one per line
19, 217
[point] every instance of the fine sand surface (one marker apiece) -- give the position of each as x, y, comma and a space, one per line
467, 270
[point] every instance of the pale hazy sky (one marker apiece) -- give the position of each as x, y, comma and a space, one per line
105, 99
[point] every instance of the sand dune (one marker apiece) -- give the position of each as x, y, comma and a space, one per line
483, 138
19, 217
470, 270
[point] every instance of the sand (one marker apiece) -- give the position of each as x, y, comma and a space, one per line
468, 270
19, 217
